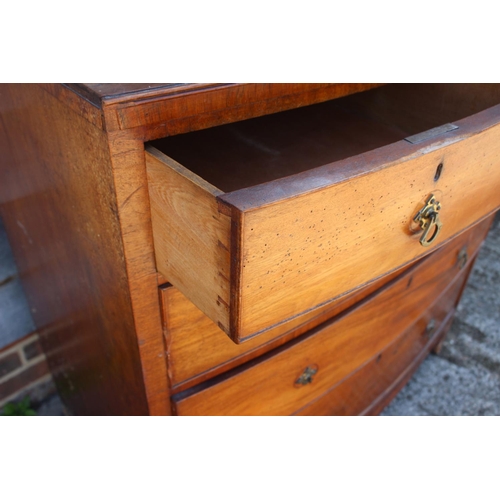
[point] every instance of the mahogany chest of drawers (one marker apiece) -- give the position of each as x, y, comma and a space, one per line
244, 249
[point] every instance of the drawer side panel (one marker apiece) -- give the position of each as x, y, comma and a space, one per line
191, 236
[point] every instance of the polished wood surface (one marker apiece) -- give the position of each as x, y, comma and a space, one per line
171, 111
58, 203
83, 107
198, 351
129, 173
110, 93
76, 202
369, 387
102, 93
337, 348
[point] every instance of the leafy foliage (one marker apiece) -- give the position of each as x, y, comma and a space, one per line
22, 408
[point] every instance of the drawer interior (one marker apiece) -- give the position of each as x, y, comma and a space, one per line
251, 152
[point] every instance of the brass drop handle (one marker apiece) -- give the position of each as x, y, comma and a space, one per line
428, 219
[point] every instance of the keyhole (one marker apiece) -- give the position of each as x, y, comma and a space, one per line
439, 169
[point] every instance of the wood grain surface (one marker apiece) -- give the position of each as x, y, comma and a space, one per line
129, 175
371, 388
58, 203
104, 93
368, 387
111, 93
301, 241
192, 107
337, 348
191, 237
198, 350
301, 252
76, 205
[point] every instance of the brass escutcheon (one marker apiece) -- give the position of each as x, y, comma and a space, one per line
428, 219
462, 258
307, 376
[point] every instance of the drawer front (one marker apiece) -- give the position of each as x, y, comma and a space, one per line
292, 376
198, 350
259, 256
300, 252
374, 385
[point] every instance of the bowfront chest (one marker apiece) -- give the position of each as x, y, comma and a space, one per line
244, 249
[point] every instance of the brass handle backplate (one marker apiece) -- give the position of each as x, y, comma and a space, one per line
428, 219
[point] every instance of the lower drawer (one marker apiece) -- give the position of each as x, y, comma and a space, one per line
372, 387
198, 352
297, 374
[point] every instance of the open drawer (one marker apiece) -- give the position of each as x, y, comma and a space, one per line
260, 221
